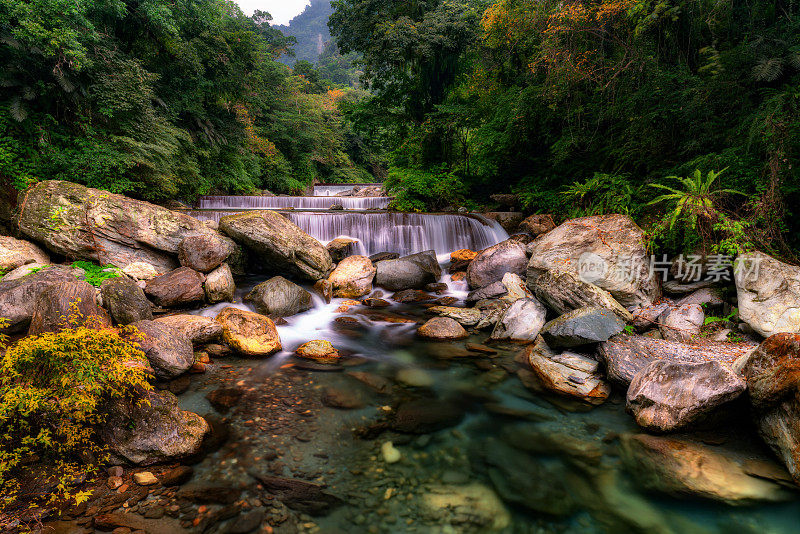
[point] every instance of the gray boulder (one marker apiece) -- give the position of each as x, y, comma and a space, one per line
493, 290
705, 296
409, 272
219, 285
568, 374
204, 252
279, 244
18, 297
605, 250
521, 322
278, 297
125, 300
168, 350
157, 431
491, 264
682, 323
442, 329
181, 287
769, 294
56, 303
15, 253
582, 327
463, 316
564, 291
196, 328
668, 396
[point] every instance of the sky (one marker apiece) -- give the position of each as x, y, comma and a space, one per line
282, 10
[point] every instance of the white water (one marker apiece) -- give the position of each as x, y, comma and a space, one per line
328, 190
300, 203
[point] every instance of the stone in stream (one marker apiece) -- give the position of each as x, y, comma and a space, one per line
319, 351
181, 287
95, 225
225, 398
493, 290
219, 285
681, 467
341, 248
249, 333
56, 303
626, 355
426, 416
769, 294
538, 224
521, 322
604, 250
491, 264
508, 220
125, 300
204, 252
279, 244
563, 291
670, 396
682, 323
197, 329
15, 253
345, 399
460, 260
278, 297
300, 495
465, 508
569, 373
375, 258
464, 316
324, 289
409, 272
442, 328
352, 277
147, 433
583, 326
772, 373
412, 296
168, 349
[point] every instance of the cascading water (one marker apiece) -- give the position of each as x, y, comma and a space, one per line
300, 203
328, 190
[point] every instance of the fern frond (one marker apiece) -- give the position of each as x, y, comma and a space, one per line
17, 109
768, 69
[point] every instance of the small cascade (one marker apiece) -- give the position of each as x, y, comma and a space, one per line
300, 203
330, 190
404, 233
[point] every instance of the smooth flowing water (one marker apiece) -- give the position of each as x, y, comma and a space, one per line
300, 203
328, 190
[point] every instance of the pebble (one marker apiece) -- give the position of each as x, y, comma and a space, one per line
390, 454
145, 478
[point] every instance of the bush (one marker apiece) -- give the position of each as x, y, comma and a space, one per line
96, 274
52, 391
420, 190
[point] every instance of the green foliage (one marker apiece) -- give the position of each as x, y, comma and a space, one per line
419, 190
728, 318
599, 195
52, 389
95, 274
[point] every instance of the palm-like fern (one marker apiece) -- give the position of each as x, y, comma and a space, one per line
695, 200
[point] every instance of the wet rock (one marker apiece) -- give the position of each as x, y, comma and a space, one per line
409, 272
492, 311
279, 244
412, 296
570, 374
463, 316
376, 382
376, 303
342, 398
418, 378
521, 322
442, 328
324, 289
483, 349
582, 327
491, 264
197, 329
140, 270
681, 467
278, 297
125, 300
375, 258
168, 349
669, 396
178, 476
209, 494
319, 351
245, 523
15, 253
436, 287
509, 220
249, 333
146, 433
537, 225
204, 252
306, 497
494, 290
465, 508
769, 294
181, 287
460, 260
219, 285
563, 291
341, 247
604, 250
772, 373
353, 277
145, 478
426, 416
390, 454
224, 399
626, 355
55, 303
682, 323
515, 287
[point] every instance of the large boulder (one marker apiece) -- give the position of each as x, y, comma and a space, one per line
168, 350
509, 220
582, 327
56, 304
219, 285
442, 329
682, 323
569, 374
772, 373
341, 247
204, 252
538, 224
668, 396
278, 244
249, 333
181, 287
564, 291
685, 468
626, 355
491, 264
156, 431
196, 328
18, 297
125, 300
318, 350
463, 316
278, 297
15, 253
353, 277
605, 250
521, 322
769, 294
90, 224
493, 290
409, 272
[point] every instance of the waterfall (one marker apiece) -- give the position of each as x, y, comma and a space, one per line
331, 190
300, 203
404, 233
